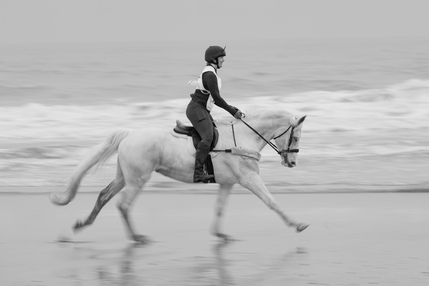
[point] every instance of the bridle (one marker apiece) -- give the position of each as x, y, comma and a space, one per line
272, 145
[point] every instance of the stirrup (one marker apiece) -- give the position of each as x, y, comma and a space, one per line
203, 178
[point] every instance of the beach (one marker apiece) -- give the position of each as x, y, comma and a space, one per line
353, 239
361, 179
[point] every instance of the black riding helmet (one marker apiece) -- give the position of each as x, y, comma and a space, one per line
213, 53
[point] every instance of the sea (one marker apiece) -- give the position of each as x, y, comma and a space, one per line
364, 98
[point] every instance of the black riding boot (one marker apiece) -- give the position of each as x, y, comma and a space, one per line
200, 159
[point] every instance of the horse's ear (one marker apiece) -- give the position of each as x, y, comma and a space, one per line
301, 120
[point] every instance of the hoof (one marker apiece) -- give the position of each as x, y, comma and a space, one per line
78, 225
141, 239
224, 237
64, 239
301, 227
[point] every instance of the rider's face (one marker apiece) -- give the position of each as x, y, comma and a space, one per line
220, 61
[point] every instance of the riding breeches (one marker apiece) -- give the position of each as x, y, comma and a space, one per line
203, 123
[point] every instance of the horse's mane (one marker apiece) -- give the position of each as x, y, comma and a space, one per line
256, 113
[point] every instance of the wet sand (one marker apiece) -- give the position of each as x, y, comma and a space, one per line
353, 239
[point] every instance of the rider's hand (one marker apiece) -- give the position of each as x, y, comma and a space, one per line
239, 114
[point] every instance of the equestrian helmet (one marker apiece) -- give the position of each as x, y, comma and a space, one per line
214, 52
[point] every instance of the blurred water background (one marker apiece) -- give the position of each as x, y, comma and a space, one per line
367, 102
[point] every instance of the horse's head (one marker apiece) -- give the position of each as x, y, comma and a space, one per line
288, 142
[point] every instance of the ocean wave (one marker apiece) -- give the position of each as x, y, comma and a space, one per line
414, 90
398, 108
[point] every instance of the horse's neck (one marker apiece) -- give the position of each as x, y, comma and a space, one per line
265, 128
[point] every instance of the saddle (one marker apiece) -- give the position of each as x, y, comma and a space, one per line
191, 131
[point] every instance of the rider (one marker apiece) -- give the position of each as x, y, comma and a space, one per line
203, 99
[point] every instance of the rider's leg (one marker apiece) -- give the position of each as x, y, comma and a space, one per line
200, 159
202, 121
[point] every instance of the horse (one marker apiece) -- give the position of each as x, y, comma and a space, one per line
143, 151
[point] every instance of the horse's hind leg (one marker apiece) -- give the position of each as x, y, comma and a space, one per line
224, 191
106, 194
129, 194
254, 183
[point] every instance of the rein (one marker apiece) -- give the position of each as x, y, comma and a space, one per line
272, 145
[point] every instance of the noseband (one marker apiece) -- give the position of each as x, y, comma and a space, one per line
280, 152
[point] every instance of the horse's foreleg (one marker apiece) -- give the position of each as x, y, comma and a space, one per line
106, 194
224, 191
128, 196
254, 183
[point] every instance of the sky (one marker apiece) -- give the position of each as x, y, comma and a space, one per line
63, 21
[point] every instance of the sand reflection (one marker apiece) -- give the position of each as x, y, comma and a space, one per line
223, 264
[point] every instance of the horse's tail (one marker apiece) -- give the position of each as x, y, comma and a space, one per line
97, 156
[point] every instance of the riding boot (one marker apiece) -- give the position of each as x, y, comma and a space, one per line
200, 159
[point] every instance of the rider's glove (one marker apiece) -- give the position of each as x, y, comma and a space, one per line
239, 114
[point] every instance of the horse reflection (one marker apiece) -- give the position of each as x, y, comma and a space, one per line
124, 272
137, 266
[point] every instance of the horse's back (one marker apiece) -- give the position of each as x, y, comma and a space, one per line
151, 141
143, 139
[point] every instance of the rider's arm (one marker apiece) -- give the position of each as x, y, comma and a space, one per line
210, 83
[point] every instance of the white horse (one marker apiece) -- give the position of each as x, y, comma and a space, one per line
140, 152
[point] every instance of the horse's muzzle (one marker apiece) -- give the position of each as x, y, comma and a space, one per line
287, 163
